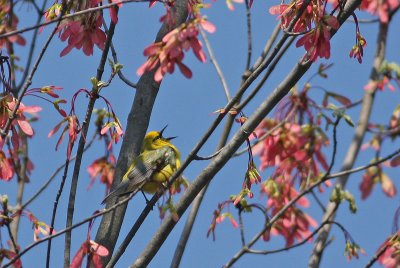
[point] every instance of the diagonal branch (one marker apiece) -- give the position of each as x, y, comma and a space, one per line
221, 159
138, 121
354, 147
81, 146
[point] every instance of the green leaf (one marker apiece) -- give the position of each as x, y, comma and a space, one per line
348, 120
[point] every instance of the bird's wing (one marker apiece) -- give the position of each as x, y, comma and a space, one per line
141, 170
149, 163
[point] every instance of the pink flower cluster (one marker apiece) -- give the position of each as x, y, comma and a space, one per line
103, 168
83, 33
164, 55
294, 223
295, 152
6, 27
381, 8
314, 22
391, 257
20, 123
291, 148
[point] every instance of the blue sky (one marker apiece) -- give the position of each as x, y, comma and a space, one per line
187, 106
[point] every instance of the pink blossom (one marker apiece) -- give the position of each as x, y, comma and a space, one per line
5, 27
93, 250
104, 169
171, 50
317, 41
390, 257
381, 8
83, 33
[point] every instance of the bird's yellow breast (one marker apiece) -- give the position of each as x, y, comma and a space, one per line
161, 177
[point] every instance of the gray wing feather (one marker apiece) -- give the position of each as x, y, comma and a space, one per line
155, 160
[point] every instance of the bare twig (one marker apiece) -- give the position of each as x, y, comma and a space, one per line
217, 163
269, 71
4, 131
55, 173
180, 248
69, 16
361, 168
354, 147
32, 47
115, 58
306, 239
267, 48
279, 214
216, 65
377, 255
81, 145
22, 179
60, 232
249, 36
138, 120
53, 215
196, 157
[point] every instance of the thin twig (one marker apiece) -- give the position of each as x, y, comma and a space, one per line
53, 215
241, 228
32, 47
13, 242
355, 145
279, 214
196, 157
306, 239
361, 168
69, 16
377, 255
267, 48
55, 173
180, 248
115, 58
249, 35
10, 45
22, 179
216, 65
4, 131
269, 71
81, 146
60, 232
318, 201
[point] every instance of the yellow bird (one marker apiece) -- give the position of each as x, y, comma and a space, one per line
157, 162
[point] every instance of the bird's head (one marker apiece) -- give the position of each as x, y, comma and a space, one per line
154, 140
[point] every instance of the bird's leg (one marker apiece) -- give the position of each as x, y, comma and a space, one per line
145, 197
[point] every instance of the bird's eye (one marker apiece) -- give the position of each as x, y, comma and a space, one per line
157, 138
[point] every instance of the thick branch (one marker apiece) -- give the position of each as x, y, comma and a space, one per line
354, 148
138, 121
221, 159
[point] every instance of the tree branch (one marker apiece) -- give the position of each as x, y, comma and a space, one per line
138, 121
354, 147
81, 145
221, 159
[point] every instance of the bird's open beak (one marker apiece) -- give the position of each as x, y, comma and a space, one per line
162, 130
161, 133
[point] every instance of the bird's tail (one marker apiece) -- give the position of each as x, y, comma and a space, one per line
120, 190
